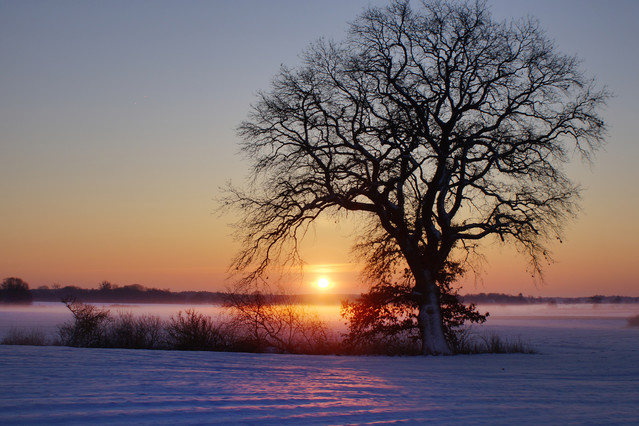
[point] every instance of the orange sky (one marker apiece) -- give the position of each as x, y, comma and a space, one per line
117, 129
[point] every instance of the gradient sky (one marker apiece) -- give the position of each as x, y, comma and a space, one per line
117, 127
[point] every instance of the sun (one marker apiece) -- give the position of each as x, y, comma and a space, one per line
323, 283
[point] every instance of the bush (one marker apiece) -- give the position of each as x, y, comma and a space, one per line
492, 344
94, 327
128, 331
89, 326
193, 331
26, 337
385, 320
633, 321
266, 323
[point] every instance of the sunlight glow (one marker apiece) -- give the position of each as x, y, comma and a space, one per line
323, 283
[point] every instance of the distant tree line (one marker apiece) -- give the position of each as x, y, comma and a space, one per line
508, 299
133, 293
107, 292
16, 290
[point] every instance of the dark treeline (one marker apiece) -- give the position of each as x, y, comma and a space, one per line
137, 293
507, 299
134, 293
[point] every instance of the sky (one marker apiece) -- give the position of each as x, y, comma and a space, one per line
117, 131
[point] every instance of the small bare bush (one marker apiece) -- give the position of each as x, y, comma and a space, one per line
89, 326
492, 344
26, 337
633, 321
264, 323
129, 331
194, 331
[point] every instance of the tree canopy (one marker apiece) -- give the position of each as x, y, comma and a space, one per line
439, 125
15, 290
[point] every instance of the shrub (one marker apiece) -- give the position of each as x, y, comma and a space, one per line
492, 344
131, 332
382, 321
89, 326
385, 320
266, 323
194, 331
26, 337
633, 321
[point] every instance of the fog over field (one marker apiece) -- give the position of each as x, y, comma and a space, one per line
586, 372
47, 316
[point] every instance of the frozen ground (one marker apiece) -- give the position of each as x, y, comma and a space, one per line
587, 373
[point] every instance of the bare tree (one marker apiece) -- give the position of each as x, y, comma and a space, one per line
440, 125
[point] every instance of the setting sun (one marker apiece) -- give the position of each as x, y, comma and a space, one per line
323, 283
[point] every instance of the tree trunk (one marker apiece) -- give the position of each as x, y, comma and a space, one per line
430, 319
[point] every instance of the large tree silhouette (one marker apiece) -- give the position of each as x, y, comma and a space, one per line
438, 124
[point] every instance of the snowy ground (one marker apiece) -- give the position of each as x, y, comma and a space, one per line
587, 373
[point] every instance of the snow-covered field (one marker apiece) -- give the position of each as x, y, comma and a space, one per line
587, 372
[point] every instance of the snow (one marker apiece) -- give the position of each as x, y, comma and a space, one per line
587, 372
